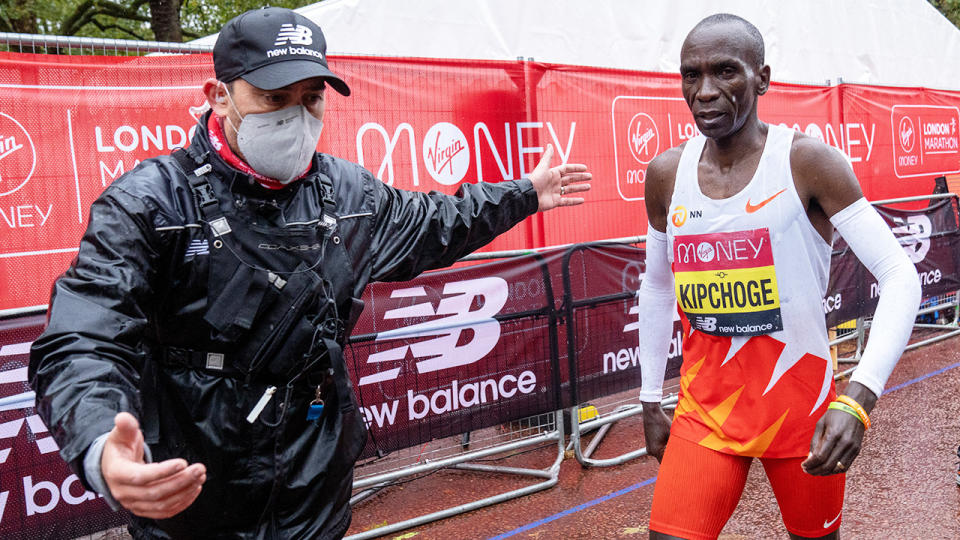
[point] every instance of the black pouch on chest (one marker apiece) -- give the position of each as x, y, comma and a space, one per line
266, 284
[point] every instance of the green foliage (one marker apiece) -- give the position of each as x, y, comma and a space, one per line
205, 17
950, 10
122, 19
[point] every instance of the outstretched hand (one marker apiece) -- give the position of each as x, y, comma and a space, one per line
555, 185
150, 490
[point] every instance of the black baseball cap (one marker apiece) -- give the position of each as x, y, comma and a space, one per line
272, 48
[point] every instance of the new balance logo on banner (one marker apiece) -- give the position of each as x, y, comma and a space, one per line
913, 232
446, 350
294, 35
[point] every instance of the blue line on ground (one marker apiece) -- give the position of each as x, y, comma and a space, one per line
577, 508
920, 378
649, 481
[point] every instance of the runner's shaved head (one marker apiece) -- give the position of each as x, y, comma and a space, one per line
749, 31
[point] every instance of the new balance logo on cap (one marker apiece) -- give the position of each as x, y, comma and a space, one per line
272, 48
294, 35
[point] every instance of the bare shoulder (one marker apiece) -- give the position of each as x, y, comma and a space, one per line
811, 156
823, 174
658, 185
665, 165
662, 171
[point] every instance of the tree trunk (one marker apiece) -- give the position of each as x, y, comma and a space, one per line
165, 20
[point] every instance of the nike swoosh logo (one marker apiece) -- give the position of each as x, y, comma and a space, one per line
827, 524
751, 208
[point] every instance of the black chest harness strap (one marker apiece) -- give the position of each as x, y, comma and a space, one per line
261, 320
239, 293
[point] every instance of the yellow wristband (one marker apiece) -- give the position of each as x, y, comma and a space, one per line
861, 412
838, 406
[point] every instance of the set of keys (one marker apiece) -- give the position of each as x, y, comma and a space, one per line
315, 411
316, 407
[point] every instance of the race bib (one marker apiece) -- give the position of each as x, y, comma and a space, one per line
726, 283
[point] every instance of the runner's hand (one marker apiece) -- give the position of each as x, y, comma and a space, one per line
838, 436
150, 490
656, 429
555, 185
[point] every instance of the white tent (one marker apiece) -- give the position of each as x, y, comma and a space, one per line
888, 42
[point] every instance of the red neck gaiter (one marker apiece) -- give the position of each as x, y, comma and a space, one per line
219, 142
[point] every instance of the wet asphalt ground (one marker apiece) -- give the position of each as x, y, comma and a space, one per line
901, 487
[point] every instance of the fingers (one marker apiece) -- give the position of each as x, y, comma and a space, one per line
829, 464
836, 441
167, 497
547, 156
847, 458
656, 444
544, 164
164, 496
126, 434
123, 473
817, 438
153, 490
573, 178
575, 188
568, 187
656, 429
571, 169
820, 448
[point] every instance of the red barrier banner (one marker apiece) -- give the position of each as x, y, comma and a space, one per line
931, 239
602, 325
456, 350
920, 140
70, 125
39, 496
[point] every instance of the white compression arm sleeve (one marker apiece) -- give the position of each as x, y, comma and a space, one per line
874, 244
656, 301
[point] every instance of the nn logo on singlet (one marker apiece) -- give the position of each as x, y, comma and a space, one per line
680, 214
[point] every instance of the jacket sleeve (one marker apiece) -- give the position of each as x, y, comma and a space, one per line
85, 366
417, 231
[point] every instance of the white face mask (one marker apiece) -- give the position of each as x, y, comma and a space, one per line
278, 144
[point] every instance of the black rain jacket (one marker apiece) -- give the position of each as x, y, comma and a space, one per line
187, 328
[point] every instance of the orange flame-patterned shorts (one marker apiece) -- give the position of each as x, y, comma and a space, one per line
698, 489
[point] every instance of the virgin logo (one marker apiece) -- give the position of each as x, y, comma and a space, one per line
442, 157
906, 134
18, 157
643, 137
445, 153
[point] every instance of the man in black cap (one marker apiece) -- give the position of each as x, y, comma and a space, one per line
191, 370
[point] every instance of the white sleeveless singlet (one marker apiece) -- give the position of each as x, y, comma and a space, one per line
750, 273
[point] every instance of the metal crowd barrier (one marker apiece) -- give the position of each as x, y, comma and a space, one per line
37, 43
474, 451
932, 305
523, 434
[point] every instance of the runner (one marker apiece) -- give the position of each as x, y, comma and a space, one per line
745, 213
